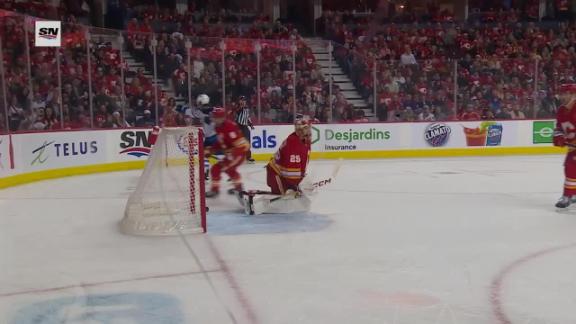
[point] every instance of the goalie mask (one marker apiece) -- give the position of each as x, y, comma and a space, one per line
303, 127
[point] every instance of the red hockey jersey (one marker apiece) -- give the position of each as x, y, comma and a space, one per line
230, 139
565, 132
291, 160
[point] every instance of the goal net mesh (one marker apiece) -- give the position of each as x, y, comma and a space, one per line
169, 197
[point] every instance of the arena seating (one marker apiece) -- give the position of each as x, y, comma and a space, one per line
500, 64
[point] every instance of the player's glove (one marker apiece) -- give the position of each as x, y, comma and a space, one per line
559, 138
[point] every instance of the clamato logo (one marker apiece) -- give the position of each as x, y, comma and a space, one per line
135, 143
48, 34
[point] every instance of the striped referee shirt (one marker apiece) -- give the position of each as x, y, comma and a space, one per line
243, 117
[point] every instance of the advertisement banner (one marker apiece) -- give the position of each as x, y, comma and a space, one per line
543, 131
267, 139
134, 144
57, 150
130, 144
356, 137
464, 134
5, 166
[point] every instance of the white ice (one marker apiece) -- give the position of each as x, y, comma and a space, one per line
466, 240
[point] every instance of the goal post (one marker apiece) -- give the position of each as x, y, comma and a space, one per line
170, 196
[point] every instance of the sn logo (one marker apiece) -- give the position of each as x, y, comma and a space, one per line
263, 140
48, 33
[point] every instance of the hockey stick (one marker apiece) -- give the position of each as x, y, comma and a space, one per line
313, 185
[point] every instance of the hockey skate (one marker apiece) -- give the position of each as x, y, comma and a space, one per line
564, 202
212, 194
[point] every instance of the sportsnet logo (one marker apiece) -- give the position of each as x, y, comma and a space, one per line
47, 33
135, 143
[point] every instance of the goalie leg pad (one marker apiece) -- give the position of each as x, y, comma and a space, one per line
271, 204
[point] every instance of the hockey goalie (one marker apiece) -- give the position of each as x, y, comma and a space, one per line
285, 173
565, 136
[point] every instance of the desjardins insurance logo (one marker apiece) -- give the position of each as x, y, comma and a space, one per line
346, 140
542, 132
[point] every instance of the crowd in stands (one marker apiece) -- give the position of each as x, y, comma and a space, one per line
239, 62
115, 103
446, 71
499, 65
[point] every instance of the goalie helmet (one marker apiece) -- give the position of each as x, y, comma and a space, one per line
202, 100
303, 126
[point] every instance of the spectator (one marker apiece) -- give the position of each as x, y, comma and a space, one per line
101, 116
516, 113
502, 114
118, 121
146, 120
170, 114
39, 124
426, 115
408, 58
38, 102
470, 114
382, 110
15, 114
50, 119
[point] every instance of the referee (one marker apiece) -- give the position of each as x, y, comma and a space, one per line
244, 121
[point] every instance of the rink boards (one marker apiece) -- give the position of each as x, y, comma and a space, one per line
36, 156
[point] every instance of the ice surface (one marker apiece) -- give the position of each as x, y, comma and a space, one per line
467, 241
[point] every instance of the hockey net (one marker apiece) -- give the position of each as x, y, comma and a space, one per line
169, 198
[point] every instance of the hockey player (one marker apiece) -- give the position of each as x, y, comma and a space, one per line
201, 117
232, 143
287, 168
565, 135
284, 174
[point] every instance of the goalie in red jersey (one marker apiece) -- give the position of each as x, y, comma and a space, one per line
565, 136
284, 174
291, 188
233, 144
287, 168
